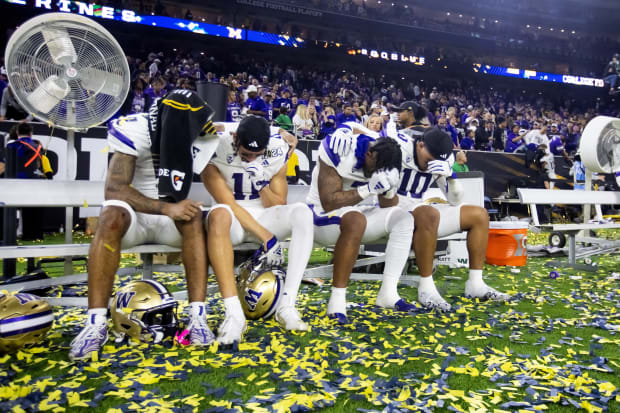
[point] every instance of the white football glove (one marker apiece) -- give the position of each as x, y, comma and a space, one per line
394, 178
441, 168
379, 184
257, 174
341, 141
273, 255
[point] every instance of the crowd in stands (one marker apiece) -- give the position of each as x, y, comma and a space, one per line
586, 51
312, 102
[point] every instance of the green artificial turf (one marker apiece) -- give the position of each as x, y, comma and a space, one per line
554, 348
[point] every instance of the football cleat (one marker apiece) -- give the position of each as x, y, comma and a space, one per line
90, 340
231, 330
339, 317
289, 319
199, 332
404, 306
433, 300
484, 292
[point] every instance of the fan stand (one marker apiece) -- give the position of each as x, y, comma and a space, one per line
69, 210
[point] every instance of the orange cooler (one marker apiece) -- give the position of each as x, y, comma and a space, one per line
507, 243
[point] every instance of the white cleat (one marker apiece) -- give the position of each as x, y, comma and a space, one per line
231, 330
289, 319
484, 292
433, 300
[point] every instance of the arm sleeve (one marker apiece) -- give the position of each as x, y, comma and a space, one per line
452, 189
203, 150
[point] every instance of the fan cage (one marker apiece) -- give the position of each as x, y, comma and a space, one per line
101, 74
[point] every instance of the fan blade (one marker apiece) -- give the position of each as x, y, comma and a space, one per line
59, 45
48, 94
100, 81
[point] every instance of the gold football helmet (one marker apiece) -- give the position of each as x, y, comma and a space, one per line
145, 311
24, 319
259, 288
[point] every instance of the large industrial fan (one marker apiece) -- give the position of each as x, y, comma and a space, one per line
69, 72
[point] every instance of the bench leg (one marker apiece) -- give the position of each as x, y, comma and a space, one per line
147, 266
572, 260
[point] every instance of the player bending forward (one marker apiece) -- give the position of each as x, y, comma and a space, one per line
139, 210
426, 159
339, 185
247, 179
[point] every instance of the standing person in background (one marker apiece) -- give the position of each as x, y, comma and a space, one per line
346, 115
612, 70
269, 106
483, 136
256, 105
461, 162
302, 123
283, 120
499, 134
233, 108
137, 100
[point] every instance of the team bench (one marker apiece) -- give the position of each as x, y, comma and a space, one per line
533, 197
20, 193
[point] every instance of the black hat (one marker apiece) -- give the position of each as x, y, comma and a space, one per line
253, 133
438, 143
407, 105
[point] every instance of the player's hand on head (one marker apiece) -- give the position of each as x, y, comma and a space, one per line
183, 211
380, 182
393, 177
439, 167
270, 252
341, 141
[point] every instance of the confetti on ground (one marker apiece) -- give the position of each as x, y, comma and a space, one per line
555, 347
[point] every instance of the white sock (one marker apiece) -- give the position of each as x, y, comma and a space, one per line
475, 277
97, 316
427, 285
197, 309
388, 293
232, 306
337, 301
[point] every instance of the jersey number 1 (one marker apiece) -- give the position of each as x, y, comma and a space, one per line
240, 194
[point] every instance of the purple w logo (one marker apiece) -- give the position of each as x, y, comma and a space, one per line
123, 299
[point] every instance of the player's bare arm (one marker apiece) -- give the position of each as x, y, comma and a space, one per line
216, 185
276, 192
330, 190
118, 186
290, 139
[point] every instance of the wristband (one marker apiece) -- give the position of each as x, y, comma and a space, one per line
363, 191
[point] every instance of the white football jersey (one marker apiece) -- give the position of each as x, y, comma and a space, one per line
130, 135
232, 168
349, 167
413, 181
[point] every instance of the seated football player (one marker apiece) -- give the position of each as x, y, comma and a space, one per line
175, 139
339, 187
247, 179
427, 159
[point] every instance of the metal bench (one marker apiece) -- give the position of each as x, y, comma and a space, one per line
533, 197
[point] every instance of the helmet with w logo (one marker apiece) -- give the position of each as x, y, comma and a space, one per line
145, 311
24, 319
259, 288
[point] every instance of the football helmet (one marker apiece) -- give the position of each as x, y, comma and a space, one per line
24, 319
259, 287
145, 311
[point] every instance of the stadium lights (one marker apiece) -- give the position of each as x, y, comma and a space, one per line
447, 13
528, 26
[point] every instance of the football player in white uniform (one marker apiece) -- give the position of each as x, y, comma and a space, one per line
247, 179
429, 159
135, 213
339, 187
